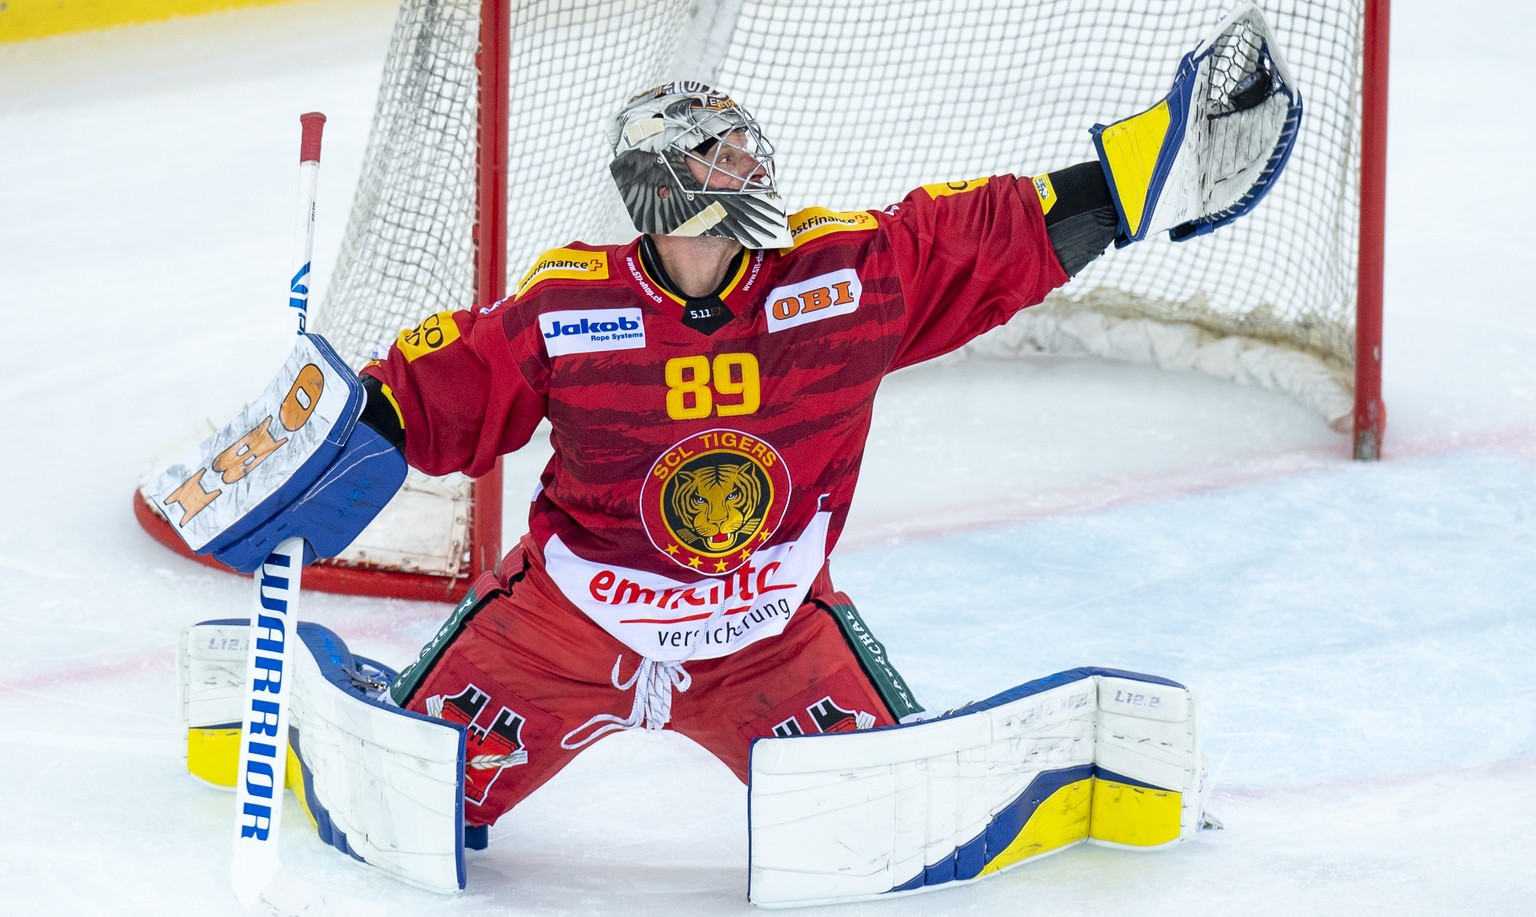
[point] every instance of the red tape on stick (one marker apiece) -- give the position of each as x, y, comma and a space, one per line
309, 144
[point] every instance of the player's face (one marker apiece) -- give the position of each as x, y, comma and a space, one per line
726, 165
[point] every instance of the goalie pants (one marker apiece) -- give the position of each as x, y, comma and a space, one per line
530, 675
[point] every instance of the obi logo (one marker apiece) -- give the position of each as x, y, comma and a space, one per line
591, 330
812, 300
488, 749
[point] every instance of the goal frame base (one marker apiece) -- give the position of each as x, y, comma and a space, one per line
323, 575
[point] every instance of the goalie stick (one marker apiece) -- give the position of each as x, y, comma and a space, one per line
256, 873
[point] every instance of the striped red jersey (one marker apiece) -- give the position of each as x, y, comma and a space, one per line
699, 480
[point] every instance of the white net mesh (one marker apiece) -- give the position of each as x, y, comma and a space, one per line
866, 99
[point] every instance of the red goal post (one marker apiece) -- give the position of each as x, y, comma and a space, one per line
487, 148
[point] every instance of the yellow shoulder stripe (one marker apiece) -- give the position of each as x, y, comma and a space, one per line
815, 222
940, 189
393, 403
434, 333
565, 264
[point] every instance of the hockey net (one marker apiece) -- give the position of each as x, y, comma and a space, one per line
865, 100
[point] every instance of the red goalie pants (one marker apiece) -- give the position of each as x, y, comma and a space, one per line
533, 680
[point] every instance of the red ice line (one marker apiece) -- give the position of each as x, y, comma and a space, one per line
1519, 441
1120, 492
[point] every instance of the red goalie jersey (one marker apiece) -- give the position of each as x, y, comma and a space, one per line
699, 480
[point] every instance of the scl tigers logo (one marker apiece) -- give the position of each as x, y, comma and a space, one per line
713, 499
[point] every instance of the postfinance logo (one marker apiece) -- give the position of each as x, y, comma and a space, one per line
815, 222
565, 264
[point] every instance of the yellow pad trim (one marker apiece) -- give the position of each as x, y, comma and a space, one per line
1136, 816
293, 778
1105, 810
1132, 147
213, 755
1061, 820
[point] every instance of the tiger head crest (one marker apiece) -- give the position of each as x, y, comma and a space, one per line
714, 507
713, 499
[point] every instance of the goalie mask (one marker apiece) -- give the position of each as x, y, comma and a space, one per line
689, 161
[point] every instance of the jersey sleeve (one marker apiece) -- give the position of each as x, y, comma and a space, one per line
468, 388
968, 255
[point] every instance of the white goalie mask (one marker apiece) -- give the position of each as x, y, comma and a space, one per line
689, 161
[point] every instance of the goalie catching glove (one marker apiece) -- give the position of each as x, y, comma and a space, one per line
317, 455
1214, 146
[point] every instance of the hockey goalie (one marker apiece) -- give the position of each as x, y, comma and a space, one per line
710, 387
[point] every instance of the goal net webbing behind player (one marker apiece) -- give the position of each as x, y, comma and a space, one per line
865, 100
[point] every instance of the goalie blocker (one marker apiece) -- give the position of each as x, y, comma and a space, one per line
316, 455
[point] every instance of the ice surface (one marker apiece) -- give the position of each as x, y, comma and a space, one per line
1361, 635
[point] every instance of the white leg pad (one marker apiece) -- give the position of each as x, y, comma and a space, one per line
1088, 754
381, 784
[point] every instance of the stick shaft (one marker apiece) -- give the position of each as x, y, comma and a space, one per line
312, 125
269, 675
269, 669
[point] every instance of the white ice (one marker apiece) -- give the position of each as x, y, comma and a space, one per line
1360, 634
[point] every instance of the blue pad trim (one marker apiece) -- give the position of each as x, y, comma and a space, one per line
334, 510
350, 673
